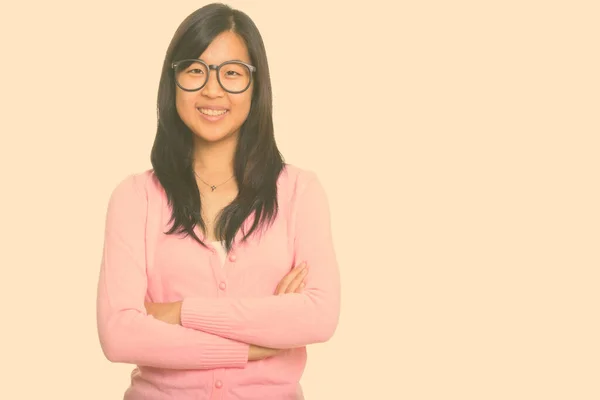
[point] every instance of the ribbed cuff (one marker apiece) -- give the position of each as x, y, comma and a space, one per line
198, 314
205, 314
228, 354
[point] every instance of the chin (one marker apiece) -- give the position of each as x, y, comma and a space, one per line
213, 137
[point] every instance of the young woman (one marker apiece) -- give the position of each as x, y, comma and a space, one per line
218, 266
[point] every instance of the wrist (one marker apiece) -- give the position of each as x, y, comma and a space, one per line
177, 312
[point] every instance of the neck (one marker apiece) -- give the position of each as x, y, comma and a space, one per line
214, 160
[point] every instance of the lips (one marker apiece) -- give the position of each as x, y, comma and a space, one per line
212, 112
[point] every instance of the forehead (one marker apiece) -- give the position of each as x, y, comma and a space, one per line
225, 47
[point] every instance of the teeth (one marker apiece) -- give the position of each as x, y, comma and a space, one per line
212, 112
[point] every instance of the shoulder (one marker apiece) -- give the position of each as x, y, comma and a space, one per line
301, 188
135, 188
294, 180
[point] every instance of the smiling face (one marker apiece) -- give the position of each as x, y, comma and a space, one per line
212, 113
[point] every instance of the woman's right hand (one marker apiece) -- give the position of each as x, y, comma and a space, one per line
293, 281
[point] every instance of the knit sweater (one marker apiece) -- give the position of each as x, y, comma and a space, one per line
225, 307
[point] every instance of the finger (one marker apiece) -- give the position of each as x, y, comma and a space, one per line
285, 281
297, 281
293, 279
302, 286
288, 278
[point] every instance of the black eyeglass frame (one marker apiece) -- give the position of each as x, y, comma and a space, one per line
216, 68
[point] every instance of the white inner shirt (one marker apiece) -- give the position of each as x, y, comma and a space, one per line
220, 250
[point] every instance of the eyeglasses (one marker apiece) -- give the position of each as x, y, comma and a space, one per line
233, 76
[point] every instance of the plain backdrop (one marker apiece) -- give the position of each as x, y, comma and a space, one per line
457, 142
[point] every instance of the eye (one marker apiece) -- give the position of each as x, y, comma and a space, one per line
196, 71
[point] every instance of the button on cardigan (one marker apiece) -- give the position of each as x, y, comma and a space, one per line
227, 304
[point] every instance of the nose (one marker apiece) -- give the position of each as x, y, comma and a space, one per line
212, 87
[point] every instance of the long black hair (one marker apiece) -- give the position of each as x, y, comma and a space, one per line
257, 160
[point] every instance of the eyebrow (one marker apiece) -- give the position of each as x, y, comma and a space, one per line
235, 59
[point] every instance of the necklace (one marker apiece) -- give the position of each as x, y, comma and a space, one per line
213, 187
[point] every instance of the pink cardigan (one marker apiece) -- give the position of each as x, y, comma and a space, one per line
225, 307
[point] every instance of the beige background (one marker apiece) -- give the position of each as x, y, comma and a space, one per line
458, 143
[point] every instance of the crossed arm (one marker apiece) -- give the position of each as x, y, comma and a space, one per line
202, 333
170, 313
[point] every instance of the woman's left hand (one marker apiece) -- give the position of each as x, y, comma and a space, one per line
166, 312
